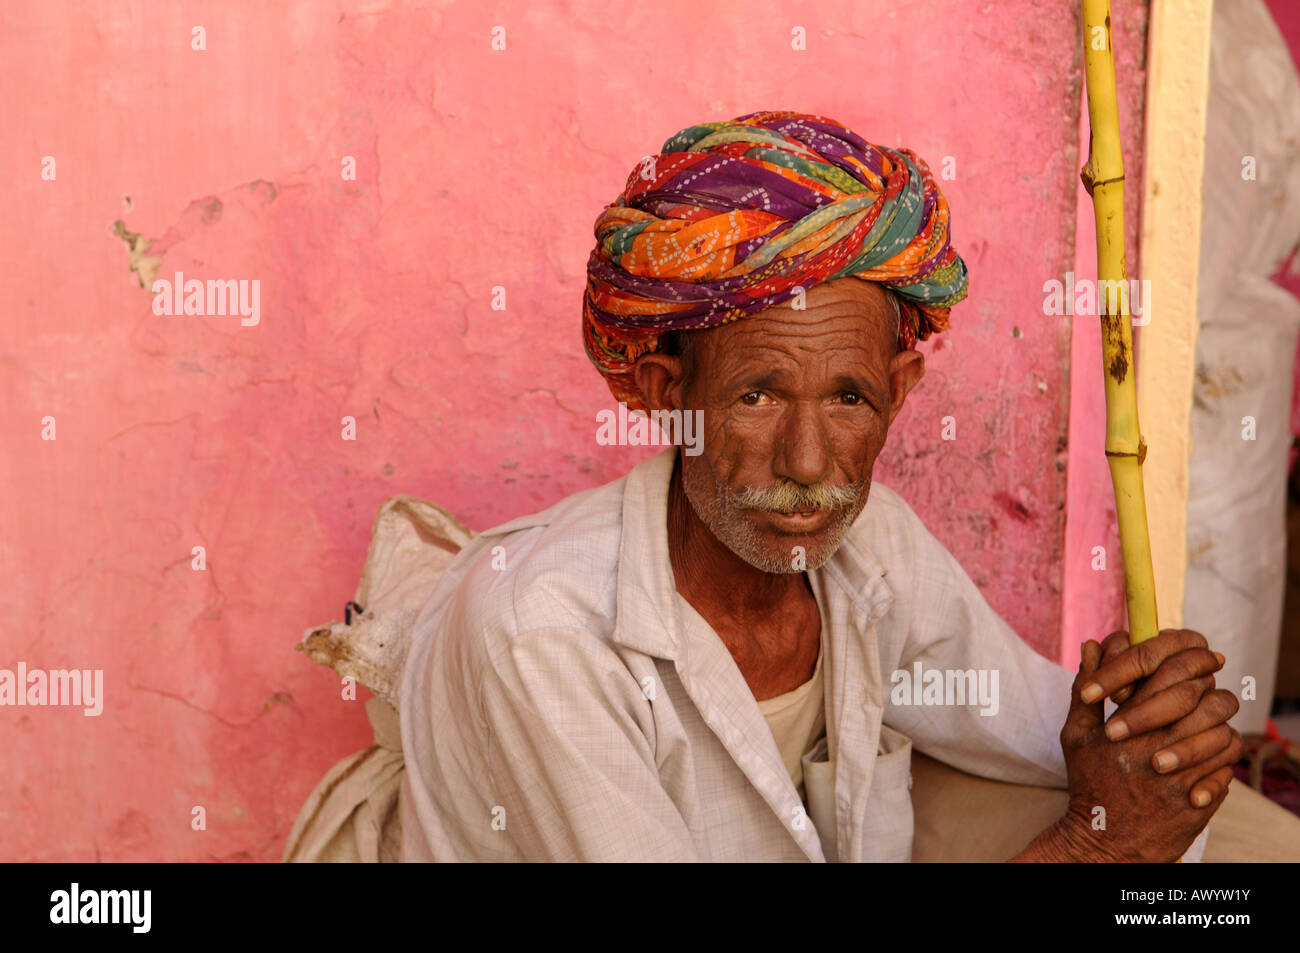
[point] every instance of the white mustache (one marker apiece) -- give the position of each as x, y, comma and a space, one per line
790, 497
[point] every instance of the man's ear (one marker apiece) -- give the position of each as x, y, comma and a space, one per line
906, 368
661, 379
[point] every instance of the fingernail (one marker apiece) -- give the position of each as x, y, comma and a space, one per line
1166, 761
1220, 657
1091, 692
1201, 798
1116, 730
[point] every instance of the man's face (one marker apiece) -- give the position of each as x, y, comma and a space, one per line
797, 405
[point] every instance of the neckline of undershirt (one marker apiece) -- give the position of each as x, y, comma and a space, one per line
779, 703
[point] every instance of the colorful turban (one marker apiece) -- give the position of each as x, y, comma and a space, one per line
731, 216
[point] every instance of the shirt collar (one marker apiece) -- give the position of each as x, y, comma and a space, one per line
647, 589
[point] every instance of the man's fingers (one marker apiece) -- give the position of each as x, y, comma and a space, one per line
1184, 666
1146, 713
1214, 709
1211, 790
1084, 717
1123, 695
1139, 662
1192, 751
1111, 646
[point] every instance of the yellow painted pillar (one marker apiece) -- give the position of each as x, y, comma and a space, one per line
1178, 73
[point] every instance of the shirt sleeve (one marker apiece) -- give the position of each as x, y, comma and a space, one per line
1011, 730
530, 746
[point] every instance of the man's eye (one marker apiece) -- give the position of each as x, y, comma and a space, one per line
752, 398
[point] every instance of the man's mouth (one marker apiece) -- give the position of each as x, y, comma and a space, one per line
798, 520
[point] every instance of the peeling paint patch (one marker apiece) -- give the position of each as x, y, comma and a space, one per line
267, 191
277, 698
1013, 507
144, 267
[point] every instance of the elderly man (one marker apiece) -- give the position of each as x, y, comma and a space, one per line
729, 655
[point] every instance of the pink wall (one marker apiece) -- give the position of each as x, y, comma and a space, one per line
475, 168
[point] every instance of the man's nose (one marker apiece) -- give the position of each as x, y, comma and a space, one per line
803, 452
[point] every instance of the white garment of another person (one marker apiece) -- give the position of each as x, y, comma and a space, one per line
561, 701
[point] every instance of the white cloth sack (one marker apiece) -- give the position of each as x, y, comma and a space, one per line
352, 815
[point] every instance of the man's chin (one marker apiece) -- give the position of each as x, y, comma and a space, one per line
786, 552
793, 561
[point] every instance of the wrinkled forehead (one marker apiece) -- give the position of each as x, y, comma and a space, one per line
831, 306
843, 319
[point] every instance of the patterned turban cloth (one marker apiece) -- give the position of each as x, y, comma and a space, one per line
731, 216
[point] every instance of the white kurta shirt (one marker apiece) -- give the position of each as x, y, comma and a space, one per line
559, 703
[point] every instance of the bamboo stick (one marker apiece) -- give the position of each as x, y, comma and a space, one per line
1103, 177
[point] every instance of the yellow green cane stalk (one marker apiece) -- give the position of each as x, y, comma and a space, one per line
1103, 177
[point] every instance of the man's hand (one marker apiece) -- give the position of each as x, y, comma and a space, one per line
1162, 764
1160, 767
1179, 670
